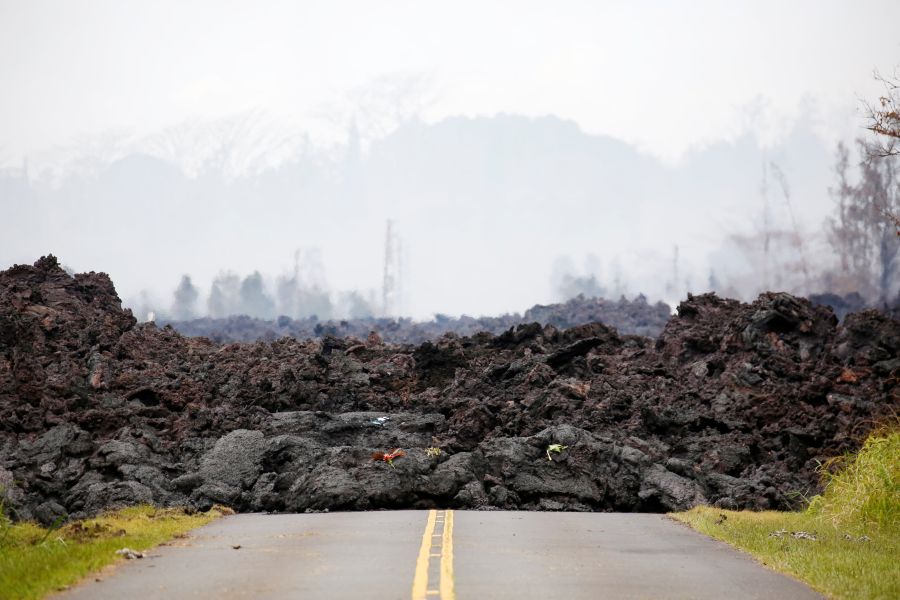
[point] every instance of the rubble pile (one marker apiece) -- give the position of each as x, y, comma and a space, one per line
733, 405
847, 304
637, 317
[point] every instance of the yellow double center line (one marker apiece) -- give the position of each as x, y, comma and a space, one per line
435, 545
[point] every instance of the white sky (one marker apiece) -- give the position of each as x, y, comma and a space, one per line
667, 76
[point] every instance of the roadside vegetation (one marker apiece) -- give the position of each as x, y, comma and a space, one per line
846, 543
35, 560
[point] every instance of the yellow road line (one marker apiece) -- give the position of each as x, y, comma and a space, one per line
447, 587
420, 588
420, 581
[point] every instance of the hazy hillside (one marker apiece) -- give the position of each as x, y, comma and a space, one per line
489, 210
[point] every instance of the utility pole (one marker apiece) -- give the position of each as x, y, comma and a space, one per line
391, 286
764, 189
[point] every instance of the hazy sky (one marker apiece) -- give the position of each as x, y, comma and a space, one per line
486, 203
664, 75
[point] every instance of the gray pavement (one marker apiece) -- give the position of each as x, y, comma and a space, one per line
606, 555
482, 555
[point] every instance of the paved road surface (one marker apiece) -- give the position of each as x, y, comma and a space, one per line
443, 555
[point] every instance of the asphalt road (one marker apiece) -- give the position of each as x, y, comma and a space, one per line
431, 555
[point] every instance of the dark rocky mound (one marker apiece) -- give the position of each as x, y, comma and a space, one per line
732, 405
636, 317
847, 304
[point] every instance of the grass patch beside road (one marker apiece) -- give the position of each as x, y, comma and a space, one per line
833, 565
35, 561
846, 543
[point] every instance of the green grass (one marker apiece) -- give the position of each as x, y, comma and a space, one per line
863, 489
35, 561
856, 522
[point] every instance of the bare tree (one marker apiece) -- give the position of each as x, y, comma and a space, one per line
774, 258
864, 240
242, 143
884, 118
797, 242
774, 251
884, 122
381, 105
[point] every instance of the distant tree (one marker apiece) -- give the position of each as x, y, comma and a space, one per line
865, 241
572, 286
216, 304
314, 302
286, 296
223, 296
185, 305
299, 301
241, 143
304, 293
568, 283
253, 298
355, 306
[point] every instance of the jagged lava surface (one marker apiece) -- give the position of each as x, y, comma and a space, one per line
733, 405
